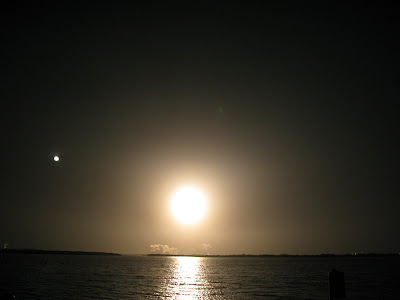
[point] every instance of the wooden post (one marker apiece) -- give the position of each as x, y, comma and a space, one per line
336, 285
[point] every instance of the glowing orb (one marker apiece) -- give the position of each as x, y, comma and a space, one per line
188, 205
56, 158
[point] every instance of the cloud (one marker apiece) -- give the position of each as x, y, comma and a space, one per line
206, 247
164, 249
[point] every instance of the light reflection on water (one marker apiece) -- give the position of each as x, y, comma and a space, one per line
188, 281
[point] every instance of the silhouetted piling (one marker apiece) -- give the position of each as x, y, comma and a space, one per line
336, 285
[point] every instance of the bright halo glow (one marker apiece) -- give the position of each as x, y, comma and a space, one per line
188, 205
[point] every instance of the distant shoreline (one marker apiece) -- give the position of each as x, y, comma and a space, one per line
57, 252
285, 255
64, 252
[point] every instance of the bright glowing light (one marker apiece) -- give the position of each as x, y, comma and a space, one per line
56, 158
188, 205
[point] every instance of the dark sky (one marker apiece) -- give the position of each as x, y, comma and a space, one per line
283, 113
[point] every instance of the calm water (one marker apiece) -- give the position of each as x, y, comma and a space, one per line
143, 277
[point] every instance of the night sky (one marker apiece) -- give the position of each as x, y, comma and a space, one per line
284, 114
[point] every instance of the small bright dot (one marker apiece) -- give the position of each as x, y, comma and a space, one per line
56, 158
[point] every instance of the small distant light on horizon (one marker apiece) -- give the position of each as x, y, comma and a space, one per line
56, 158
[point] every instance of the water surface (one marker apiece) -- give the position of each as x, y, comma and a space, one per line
144, 277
